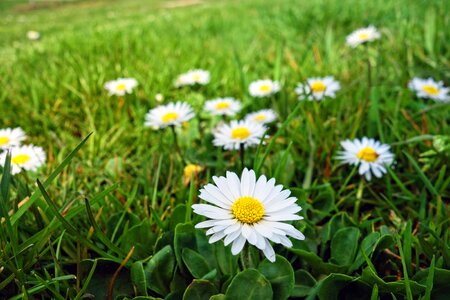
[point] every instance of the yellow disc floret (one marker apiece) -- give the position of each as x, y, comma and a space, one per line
121, 87
265, 88
20, 159
429, 89
318, 87
170, 116
260, 117
248, 210
4, 140
240, 133
363, 36
368, 154
222, 105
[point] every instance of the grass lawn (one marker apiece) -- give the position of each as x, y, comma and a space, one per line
112, 215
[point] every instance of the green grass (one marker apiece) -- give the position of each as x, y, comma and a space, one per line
395, 245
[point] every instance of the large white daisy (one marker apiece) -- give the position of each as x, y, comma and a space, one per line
248, 210
362, 35
428, 88
193, 77
318, 88
262, 116
232, 135
170, 114
371, 156
28, 158
121, 86
263, 88
11, 137
223, 106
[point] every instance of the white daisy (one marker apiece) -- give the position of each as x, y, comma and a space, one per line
174, 113
263, 88
362, 36
250, 210
318, 88
263, 116
28, 158
232, 135
371, 156
193, 77
223, 106
121, 86
11, 137
428, 88
33, 35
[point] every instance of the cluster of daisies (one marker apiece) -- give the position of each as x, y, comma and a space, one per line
246, 209
23, 157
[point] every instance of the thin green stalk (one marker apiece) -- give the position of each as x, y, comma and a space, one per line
176, 145
359, 195
242, 155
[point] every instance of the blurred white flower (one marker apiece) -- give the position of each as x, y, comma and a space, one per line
121, 86
318, 88
428, 88
262, 116
159, 97
193, 77
174, 113
362, 35
11, 137
33, 35
263, 88
223, 106
28, 158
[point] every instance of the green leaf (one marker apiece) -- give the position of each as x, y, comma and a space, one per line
316, 262
280, 274
138, 278
141, 237
304, 282
344, 246
226, 261
330, 286
178, 216
199, 290
249, 285
195, 263
159, 271
184, 238
368, 245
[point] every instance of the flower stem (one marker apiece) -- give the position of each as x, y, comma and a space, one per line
242, 155
369, 77
246, 259
359, 195
175, 143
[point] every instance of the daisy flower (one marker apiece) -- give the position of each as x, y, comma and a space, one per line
263, 88
193, 77
28, 158
223, 106
232, 135
11, 137
371, 156
263, 116
33, 35
171, 114
428, 88
248, 210
318, 88
121, 86
362, 35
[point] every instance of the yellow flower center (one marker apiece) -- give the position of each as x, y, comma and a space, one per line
363, 36
222, 105
265, 88
170, 116
4, 140
367, 154
240, 133
192, 169
318, 87
247, 210
121, 87
196, 77
429, 89
260, 118
20, 159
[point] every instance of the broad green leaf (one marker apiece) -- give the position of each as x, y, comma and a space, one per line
199, 290
316, 262
178, 216
184, 238
280, 274
138, 278
304, 282
344, 246
159, 270
368, 245
195, 263
250, 284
